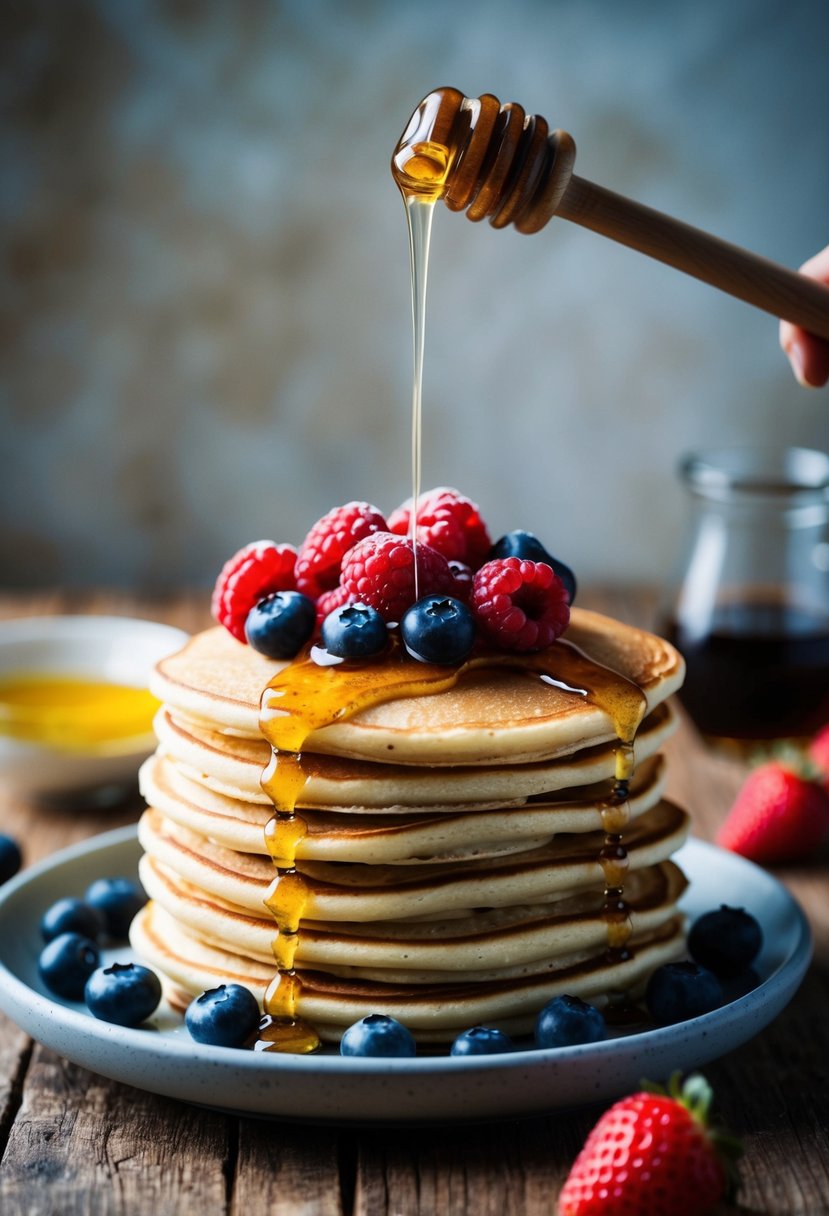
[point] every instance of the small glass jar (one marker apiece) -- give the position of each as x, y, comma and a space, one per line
750, 608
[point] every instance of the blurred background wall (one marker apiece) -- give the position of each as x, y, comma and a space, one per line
205, 297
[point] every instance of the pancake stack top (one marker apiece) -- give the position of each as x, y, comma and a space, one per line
449, 847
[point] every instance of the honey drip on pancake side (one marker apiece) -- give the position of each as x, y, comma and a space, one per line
308, 696
281, 1029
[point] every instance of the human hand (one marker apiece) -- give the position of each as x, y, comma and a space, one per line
808, 355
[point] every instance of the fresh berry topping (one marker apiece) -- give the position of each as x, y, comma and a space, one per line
481, 1041
280, 624
321, 553
447, 521
653, 1154
377, 1035
70, 915
778, 815
679, 991
223, 1017
66, 963
567, 1021
10, 858
438, 629
462, 575
726, 941
380, 571
118, 900
527, 546
330, 601
354, 632
255, 571
124, 994
519, 604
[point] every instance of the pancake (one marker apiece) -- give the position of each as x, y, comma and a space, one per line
340, 891
462, 849
434, 1012
489, 715
491, 938
234, 767
352, 834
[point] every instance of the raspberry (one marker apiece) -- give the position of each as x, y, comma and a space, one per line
379, 571
257, 570
519, 604
329, 601
322, 551
448, 522
463, 580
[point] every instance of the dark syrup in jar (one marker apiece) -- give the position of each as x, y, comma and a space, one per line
759, 673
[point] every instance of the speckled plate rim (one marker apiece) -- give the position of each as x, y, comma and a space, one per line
327, 1088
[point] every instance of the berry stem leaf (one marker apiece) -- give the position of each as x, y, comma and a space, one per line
697, 1095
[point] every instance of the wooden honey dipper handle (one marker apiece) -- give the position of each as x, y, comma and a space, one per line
496, 162
784, 293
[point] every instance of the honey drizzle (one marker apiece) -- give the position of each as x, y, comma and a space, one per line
419, 222
424, 166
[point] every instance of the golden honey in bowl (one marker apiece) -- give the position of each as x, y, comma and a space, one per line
74, 713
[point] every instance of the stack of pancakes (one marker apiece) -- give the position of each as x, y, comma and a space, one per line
454, 860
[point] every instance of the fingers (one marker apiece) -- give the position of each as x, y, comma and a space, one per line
808, 355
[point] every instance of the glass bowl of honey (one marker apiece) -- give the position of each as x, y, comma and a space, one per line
76, 714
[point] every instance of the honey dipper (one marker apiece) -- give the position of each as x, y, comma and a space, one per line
495, 161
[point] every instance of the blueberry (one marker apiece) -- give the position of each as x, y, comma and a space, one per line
124, 993
354, 631
678, 991
526, 545
726, 941
118, 900
567, 1021
66, 963
223, 1017
481, 1041
438, 629
10, 859
377, 1035
280, 624
70, 915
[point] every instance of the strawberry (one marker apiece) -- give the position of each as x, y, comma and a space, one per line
779, 815
819, 755
653, 1154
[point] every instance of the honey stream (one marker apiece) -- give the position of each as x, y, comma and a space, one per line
448, 152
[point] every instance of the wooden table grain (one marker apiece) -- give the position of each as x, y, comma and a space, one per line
73, 1143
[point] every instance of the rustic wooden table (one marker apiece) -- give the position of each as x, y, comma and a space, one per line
72, 1142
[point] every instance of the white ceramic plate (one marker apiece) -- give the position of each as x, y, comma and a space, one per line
327, 1088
